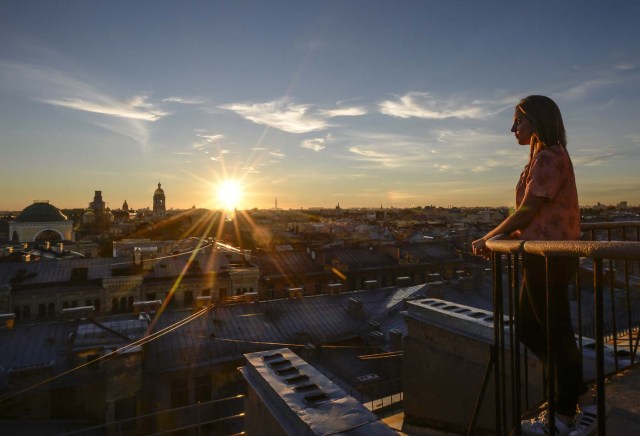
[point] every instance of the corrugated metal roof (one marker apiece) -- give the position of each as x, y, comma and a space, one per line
356, 258
430, 252
32, 346
227, 332
287, 263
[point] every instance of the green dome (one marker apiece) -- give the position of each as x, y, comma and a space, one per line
40, 212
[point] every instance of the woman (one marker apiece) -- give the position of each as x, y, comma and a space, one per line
547, 209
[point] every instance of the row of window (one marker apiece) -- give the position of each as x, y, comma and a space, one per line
48, 310
118, 305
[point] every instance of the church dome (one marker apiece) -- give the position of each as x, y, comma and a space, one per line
159, 191
40, 212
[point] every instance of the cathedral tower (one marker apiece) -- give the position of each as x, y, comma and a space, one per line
159, 206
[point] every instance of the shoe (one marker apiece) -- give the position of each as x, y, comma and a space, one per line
540, 426
586, 421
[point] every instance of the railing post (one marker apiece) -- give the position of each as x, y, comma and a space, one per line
497, 338
614, 326
551, 379
599, 336
514, 319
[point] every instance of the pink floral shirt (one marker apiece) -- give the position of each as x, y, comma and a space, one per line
550, 175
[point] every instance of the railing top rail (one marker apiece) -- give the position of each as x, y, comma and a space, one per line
609, 225
503, 244
629, 250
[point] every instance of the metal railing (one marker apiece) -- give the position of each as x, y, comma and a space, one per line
612, 265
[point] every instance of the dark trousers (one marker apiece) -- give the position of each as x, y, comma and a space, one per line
564, 351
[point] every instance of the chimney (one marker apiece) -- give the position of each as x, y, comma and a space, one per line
7, 320
295, 293
354, 306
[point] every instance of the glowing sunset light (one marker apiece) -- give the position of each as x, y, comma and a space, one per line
229, 194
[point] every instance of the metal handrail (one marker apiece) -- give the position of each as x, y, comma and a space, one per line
598, 251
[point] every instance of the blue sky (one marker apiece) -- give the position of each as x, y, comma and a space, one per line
361, 103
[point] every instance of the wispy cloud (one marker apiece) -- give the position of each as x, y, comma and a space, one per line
316, 144
376, 155
593, 157
354, 111
135, 109
280, 114
581, 89
424, 105
65, 89
183, 100
211, 138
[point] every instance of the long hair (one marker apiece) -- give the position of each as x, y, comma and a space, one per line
545, 116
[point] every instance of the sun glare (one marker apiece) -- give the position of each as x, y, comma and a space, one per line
229, 194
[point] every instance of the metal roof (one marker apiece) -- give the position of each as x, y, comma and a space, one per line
227, 332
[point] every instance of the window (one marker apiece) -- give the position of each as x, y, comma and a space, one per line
188, 298
95, 366
179, 393
151, 296
26, 312
42, 311
125, 409
203, 388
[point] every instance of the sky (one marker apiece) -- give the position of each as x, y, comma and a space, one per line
319, 103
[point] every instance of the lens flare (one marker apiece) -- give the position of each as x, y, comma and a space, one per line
229, 194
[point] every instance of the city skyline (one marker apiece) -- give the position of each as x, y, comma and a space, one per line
365, 104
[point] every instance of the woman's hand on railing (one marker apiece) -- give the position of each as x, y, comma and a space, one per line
479, 248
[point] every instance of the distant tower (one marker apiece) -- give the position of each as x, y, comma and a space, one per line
159, 207
98, 205
125, 206
276, 203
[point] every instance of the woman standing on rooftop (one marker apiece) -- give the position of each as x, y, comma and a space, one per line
547, 209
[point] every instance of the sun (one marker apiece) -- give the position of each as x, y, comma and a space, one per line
229, 194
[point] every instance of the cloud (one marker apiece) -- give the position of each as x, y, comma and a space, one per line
354, 111
423, 105
182, 100
135, 109
371, 154
211, 138
276, 154
315, 144
280, 114
625, 66
595, 158
581, 89
64, 89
